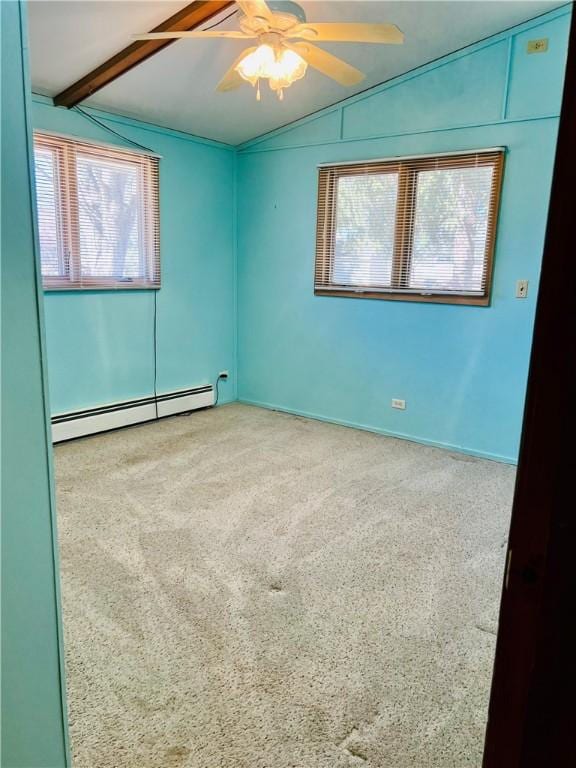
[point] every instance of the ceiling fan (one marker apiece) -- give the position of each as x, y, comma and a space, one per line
285, 47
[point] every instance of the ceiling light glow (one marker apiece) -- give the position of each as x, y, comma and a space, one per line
280, 66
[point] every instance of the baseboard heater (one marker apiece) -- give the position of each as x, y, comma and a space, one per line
67, 426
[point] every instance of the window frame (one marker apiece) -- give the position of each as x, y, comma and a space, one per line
407, 169
66, 151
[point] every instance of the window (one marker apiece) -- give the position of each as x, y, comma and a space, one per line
417, 229
98, 215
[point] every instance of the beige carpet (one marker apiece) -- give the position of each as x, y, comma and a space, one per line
248, 589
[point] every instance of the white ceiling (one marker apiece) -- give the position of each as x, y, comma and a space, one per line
176, 87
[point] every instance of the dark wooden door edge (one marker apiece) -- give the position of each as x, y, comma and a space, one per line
532, 713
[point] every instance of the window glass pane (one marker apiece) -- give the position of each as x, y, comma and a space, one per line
450, 228
110, 219
365, 221
48, 208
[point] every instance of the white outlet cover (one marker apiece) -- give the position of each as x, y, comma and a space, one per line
397, 403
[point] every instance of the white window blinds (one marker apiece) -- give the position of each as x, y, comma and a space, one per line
98, 215
416, 228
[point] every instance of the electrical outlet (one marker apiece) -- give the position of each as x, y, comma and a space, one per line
521, 289
396, 403
223, 375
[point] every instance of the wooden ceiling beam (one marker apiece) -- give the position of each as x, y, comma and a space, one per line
190, 17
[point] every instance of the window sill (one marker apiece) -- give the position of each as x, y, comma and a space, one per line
472, 301
98, 288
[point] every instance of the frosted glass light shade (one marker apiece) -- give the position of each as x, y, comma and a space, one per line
280, 67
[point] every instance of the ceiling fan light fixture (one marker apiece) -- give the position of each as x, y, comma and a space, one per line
284, 47
280, 66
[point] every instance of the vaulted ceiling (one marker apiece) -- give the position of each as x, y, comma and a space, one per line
176, 87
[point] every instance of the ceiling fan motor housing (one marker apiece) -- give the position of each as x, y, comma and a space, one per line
288, 8
285, 15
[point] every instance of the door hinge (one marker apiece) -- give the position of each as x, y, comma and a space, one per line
508, 564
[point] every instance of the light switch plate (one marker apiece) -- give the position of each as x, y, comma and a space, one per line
521, 289
537, 46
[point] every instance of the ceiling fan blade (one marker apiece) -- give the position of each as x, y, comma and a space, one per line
255, 8
325, 62
232, 79
348, 33
236, 35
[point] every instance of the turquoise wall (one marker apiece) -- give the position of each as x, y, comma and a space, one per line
462, 370
100, 343
33, 732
